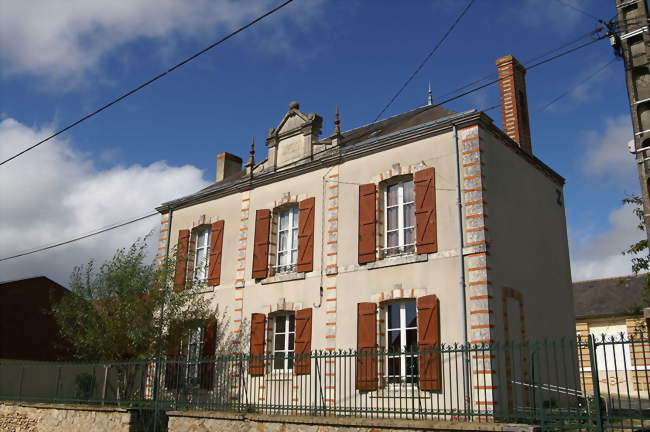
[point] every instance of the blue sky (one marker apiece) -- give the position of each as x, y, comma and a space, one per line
61, 60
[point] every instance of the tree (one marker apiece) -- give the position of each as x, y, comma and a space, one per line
639, 250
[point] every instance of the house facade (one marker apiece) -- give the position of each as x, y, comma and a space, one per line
427, 228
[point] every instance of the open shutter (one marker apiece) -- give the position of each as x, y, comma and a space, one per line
216, 248
428, 341
258, 336
367, 223
173, 352
426, 230
182, 249
306, 235
208, 353
261, 248
302, 349
366, 378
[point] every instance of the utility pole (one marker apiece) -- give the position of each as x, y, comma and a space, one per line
632, 43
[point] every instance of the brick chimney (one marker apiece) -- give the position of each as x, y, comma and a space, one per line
227, 165
514, 102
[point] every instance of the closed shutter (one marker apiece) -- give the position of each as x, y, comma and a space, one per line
428, 341
302, 349
306, 235
261, 247
258, 337
182, 249
426, 230
367, 223
208, 353
173, 352
216, 249
366, 378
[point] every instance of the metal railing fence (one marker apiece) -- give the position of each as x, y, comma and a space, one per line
591, 384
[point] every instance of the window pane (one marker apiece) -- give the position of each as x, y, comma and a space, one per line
392, 218
411, 365
294, 210
394, 366
278, 361
290, 347
294, 242
393, 316
394, 341
292, 322
408, 191
391, 193
290, 361
409, 236
279, 324
409, 215
283, 240
393, 239
411, 340
282, 259
284, 219
279, 342
410, 314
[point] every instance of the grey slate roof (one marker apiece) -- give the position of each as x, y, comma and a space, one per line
608, 297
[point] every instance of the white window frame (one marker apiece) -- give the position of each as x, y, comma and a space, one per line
201, 268
193, 351
287, 350
290, 247
401, 247
402, 330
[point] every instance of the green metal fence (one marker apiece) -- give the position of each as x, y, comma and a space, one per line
592, 384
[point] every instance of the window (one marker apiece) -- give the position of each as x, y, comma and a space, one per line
201, 254
401, 342
284, 330
399, 215
287, 240
192, 355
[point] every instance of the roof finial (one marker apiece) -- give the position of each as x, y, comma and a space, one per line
429, 96
251, 157
337, 122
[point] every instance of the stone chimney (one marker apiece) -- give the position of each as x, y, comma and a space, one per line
514, 102
227, 165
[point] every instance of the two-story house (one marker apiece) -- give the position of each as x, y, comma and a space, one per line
427, 228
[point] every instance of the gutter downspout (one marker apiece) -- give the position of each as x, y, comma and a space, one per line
461, 273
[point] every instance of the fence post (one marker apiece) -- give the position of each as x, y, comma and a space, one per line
595, 382
20, 385
104, 385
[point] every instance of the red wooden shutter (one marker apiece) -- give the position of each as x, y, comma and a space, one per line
173, 351
258, 336
426, 230
428, 341
302, 349
216, 248
306, 235
261, 247
182, 250
208, 353
366, 378
367, 223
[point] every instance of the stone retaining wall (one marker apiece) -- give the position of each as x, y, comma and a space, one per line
69, 418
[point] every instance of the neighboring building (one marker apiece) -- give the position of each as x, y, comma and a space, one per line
611, 311
27, 329
353, 240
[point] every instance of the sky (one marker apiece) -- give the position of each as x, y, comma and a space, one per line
59, 60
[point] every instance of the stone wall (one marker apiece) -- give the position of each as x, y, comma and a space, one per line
205, 421
46, 418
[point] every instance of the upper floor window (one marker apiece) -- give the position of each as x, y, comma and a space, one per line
399, 215
284, 330
202, 253
402, 342
287, 239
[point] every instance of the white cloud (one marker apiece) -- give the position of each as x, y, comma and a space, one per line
56, 193
606, 153
62, 41
600, 255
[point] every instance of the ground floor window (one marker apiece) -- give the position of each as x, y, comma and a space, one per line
192, 355
284, 330
401, 342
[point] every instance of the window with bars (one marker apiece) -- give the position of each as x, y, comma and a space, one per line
287, 240
399, 217
401, 342
284, 330
192, 353
202, 252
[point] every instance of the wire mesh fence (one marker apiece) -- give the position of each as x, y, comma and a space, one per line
591, 384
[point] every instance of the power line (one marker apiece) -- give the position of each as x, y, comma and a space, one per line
585, 80
582, 11
151, 81
82, 237
426, 59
